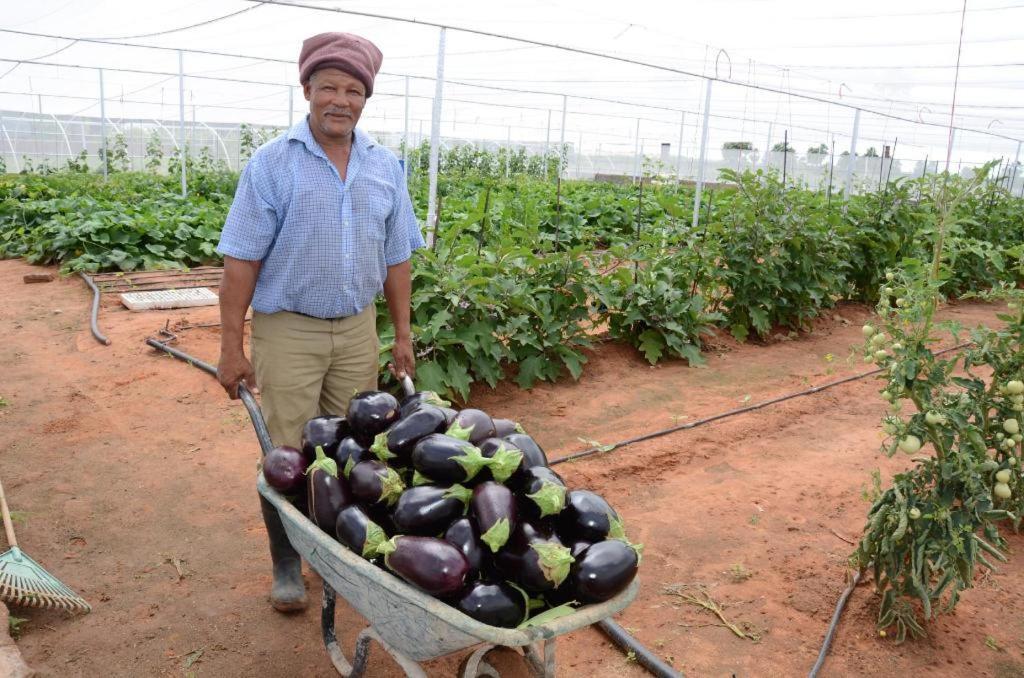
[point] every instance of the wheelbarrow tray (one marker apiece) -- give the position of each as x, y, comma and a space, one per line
405, 618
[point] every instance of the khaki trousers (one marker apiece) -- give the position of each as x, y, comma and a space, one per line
308, 366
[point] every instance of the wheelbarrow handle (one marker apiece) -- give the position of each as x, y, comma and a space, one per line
258, 422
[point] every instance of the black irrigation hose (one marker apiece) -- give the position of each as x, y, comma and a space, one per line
93, 318
830, 634
644, 657
601, 449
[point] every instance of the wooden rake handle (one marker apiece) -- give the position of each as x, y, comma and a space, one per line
8, 525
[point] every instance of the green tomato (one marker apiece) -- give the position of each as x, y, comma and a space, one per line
1011, 426
897, 346
910, 444
934, 418
867, 330
900, 302
881, 355
878, 339
1003, 476
1017, 437
989, 465
1015, 387
914, 513
889, 275
886, 291
887, 396
1012, 461
1002, 490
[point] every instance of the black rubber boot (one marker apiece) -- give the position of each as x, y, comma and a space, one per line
288, 593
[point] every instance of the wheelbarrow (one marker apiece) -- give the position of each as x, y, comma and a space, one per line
408, 624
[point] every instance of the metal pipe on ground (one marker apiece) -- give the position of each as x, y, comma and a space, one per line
94, 314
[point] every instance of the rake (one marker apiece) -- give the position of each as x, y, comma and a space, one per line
24, 582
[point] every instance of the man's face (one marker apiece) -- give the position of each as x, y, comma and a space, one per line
336, 101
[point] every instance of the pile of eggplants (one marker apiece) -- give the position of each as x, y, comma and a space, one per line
460, 505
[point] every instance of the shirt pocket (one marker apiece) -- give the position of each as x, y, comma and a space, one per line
372, 204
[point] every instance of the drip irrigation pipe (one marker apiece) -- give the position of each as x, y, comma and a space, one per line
94, 314
830, 634
644, 657
601, 449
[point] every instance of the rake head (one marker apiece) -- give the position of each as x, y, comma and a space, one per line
24, 582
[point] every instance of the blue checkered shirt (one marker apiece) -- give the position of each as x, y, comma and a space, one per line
325, 243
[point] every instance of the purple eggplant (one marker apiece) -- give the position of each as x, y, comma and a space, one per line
326, 493
505, 459
506, 427
535, 559
542, 492
578, 547
427, 510
449, 416
447, 460
375, 484
465, 536
397, 442
370, 413
411, 403
350, 453
430, 564
604, 569
326, 431
285, 469
588, 517
533, 455
494, 507
356, 530
472, 425
494, 603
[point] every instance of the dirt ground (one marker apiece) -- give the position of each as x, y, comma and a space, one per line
132, 476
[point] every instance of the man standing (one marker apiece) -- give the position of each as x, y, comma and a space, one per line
321, 223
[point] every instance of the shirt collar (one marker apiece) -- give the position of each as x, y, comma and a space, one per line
300, 131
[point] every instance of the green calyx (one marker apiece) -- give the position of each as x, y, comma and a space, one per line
549, 616
375, 538
528, 602
420, 479
456, 431
520, 429
323, 463
463, 494
391, 487
550, 499
497, 536
349, 463
616, 530
471, 460
432, 398
555, 561
386, 548
380, 447
504, 463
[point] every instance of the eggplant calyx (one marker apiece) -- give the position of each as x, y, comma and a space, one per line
349, 463
463, 494
549, 615
554, 560
380, 447
456, 431
504, 463
497, 535
386, 548
550, 499
391, 487
375, 538
638, 549
616, 529
471, 460
520, 429
420, 479
323, 463
432, 398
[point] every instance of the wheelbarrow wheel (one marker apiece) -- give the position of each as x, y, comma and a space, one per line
474, 665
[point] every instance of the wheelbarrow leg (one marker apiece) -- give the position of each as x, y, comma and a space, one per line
474, 665
362, 653
545, 668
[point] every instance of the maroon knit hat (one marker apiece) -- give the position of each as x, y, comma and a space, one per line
352, 54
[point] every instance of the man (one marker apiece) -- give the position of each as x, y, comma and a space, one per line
321, 223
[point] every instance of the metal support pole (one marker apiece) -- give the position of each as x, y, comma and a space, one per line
181, 120
508, 153
103, 127
435, 140
561, 141
785, 155
547, 146
703, 152
852, 159
679, 151
579, 153
1016, 164
636, 152
949, 151
291, 105
405, 133
768, 145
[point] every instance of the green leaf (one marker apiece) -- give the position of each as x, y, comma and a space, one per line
530, 371
652, 345
547, 616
